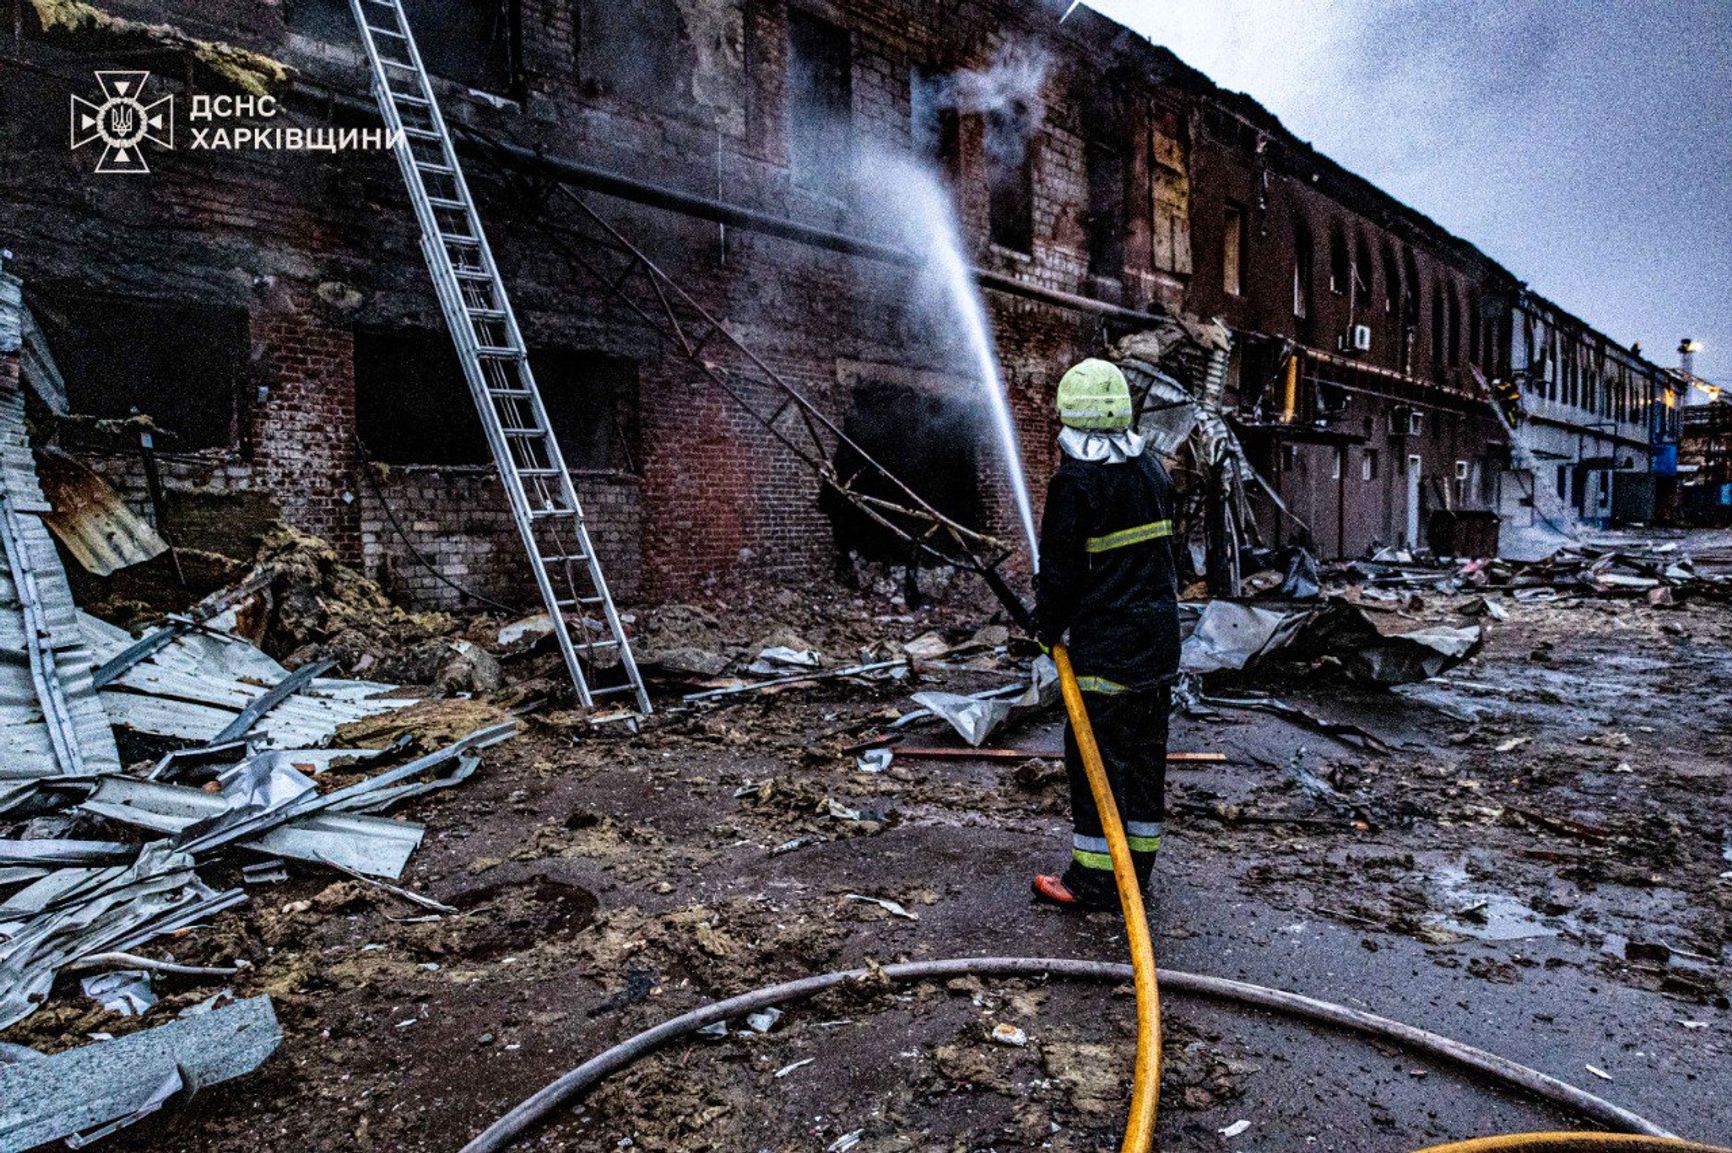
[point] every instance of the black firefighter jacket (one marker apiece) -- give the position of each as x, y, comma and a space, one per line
1107, 575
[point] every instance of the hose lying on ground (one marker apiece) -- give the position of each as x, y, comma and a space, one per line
536, 1109
1571, 1143
1146, 1080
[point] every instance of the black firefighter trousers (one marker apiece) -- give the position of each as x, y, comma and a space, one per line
1130, 726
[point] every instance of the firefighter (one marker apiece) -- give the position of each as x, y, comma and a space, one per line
1107, 579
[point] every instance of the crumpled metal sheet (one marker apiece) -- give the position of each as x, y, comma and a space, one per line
75, 912
91, 520
1227, 635
370, 845
27, 748
977, 718
88, 1092
198, 683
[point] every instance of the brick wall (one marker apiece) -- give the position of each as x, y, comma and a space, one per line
315, 247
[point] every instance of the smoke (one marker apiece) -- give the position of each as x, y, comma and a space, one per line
1010, 94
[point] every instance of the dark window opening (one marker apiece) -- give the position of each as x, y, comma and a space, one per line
412, 405
1104, 135
183, 365
1106, 170
1340, 264
1364, 272
1475, 338
820, 103
1302, 272
935, 124
1233, 250
1437, 325
478, 43
1454, 327
1010, 132
638, 52
926, 438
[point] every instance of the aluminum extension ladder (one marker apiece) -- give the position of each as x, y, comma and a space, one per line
495, 361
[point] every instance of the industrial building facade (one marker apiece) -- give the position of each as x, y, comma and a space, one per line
270, 308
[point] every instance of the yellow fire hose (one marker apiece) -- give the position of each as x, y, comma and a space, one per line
1146, 1081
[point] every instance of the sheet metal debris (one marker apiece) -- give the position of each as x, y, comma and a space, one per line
91, 520
975, 718
89, 1092
51, 721
200, 682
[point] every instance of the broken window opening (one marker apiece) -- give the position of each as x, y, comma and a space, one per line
1368, 465
1363, 272
1233, 250
412, 404
930, 440
1340, 264
638, 52
476, 43
1437, 325
1301, 272
183, 365
820, 104
935, 125
1010, 143
1104, 136
1454, 302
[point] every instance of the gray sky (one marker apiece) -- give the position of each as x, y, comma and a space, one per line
1584, 144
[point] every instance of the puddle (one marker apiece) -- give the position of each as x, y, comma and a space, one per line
1483, 914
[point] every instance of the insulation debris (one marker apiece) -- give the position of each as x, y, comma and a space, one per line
227, 67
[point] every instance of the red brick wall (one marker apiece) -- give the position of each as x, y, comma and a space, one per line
303, 425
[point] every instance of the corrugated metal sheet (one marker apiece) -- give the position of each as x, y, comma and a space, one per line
26, 746
194, 686
91, 520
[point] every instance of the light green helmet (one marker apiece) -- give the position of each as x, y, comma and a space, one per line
1094, 396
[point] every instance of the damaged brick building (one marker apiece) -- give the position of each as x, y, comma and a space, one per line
271, 309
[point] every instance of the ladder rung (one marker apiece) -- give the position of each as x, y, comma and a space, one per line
485, 313
429, 166
498, 351
538, 472
421, 133
390, 63
472, 274
605, 643
612, 689
462, 238
405, 98
524, 432
445, 203
546, 513
521, 394
575, 556
377, 31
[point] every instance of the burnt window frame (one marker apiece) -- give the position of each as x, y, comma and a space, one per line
811, 173
666, 95
62, 310
1010, 188
1233, 224
1304, 272
433, 368
1340, 262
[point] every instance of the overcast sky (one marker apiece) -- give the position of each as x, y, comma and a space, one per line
1585, 145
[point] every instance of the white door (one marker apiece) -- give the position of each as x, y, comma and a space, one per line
1414, 468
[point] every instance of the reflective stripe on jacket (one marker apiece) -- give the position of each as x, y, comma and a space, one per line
1107, 573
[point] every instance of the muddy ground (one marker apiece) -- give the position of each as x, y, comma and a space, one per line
1537, 863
